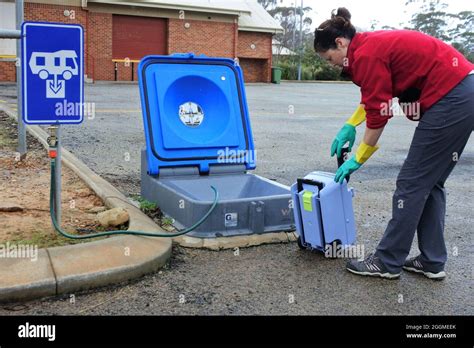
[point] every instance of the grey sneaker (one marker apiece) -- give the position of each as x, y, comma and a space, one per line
370, 266
415, 265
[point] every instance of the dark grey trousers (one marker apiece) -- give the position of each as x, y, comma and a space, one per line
419, 201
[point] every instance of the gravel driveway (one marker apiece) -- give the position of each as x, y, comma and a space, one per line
273, 279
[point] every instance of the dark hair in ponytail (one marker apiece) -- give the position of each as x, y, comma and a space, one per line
338, 26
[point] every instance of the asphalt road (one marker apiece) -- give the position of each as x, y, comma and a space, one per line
293, 126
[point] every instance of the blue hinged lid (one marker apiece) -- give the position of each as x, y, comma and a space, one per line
194, 112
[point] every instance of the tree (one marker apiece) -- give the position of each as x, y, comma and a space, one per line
462, 36
289, 19
456, 29
373, 24
313, 67
432, 19
267, 4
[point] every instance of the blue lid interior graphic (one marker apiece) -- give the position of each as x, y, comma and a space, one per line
194, 112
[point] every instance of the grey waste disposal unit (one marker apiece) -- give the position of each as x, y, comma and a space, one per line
198, 134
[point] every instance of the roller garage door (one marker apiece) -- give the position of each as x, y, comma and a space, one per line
134, 37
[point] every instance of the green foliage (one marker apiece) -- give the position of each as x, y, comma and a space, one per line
288, 71
313, 67
147, 206
154, 212
328, 73
166, 221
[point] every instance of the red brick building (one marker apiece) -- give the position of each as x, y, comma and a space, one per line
119, 33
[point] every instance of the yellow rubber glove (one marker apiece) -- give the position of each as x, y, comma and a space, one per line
364, 152
357, 117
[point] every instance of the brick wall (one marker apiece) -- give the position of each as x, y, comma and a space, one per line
124, 72
7, 71
46, 13
254, 69
99, 48
54, 13
220, 39
262, 42
255, 55
97, 35
209, 38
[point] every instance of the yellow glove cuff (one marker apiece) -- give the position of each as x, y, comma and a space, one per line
357, 117
364, 152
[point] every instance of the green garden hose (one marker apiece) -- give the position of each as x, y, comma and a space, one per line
52, 210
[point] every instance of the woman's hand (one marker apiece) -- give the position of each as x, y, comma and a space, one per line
347, 168
346, 134
364, 151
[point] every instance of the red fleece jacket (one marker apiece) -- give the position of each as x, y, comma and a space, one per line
385, 64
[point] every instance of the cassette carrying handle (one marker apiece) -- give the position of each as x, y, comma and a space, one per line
300, 182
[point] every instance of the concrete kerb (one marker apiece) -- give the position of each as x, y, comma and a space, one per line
222, 243
82, 266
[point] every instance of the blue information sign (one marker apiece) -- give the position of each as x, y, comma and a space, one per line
52, 61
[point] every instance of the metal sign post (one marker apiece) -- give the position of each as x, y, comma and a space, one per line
54, 142
52, 73
300, 49
16, 34
22, 148
57, 176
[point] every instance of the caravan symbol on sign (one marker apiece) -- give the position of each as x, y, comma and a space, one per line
61, 63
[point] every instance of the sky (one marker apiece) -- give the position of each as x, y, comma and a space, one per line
393, 13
